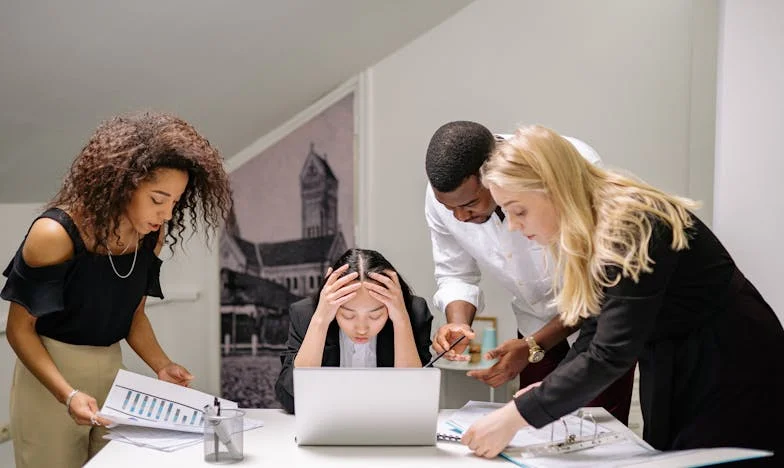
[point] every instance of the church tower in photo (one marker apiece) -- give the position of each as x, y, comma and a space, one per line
319, 188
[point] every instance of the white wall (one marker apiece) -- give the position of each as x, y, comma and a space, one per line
16, 220
749, 212
603, 71
187, 322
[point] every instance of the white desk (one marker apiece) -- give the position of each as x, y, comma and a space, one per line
273, 445
461, 366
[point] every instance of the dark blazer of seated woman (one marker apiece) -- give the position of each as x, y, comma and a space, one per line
302, 313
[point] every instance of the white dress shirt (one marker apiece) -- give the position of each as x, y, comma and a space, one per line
462, 251
357, 354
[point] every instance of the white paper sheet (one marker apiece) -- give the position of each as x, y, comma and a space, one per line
138, 400
164, 439
159, 439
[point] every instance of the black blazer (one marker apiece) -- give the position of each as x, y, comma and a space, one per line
301, 313
708, 344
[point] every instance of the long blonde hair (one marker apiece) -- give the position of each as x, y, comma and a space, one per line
605, 218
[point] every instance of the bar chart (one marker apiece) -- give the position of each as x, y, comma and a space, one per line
155, 408
138, 400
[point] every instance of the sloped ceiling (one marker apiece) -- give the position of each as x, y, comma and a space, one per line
235, 69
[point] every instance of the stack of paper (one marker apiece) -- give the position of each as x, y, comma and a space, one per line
151, 413
163, 439
159, 439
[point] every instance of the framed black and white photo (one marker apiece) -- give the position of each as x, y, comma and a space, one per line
293, 216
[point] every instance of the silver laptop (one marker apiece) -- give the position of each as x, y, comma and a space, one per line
381, 406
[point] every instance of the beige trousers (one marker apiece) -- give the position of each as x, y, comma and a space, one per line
43, 433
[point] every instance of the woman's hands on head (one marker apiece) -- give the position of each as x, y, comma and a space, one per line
390, 293
336, 291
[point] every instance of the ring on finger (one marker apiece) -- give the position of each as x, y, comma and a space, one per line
93, 421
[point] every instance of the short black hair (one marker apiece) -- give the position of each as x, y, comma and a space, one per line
456, 151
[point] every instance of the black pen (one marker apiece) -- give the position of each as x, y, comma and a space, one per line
430, 364
216, 406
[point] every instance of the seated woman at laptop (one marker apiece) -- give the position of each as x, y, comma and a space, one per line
364, 316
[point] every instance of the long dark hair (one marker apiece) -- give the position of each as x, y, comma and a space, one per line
366, 261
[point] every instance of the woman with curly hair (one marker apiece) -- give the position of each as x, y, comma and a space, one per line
78, 283
648, 282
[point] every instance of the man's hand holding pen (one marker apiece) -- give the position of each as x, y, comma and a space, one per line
447, 334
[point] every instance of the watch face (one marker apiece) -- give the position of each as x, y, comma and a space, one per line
536, 356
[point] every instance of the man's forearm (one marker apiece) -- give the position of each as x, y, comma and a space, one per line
460, 312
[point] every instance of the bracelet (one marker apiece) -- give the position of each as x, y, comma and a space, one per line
68, 400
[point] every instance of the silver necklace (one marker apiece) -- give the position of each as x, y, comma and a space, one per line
133, 264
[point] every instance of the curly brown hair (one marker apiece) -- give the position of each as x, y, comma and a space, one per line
125, 151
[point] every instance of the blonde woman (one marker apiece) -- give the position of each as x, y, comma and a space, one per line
647, 281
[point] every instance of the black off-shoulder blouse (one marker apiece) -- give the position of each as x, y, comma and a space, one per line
82, 301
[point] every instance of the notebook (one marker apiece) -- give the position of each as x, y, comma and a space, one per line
368, 406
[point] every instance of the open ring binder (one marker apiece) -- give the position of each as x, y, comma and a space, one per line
448, 437
570, 443
614, 444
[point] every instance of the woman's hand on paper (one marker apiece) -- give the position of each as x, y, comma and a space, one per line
490, 435
176, 374
512, 358
389, 293
83, 409
336, 291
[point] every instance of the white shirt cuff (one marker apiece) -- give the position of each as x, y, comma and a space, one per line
449, 293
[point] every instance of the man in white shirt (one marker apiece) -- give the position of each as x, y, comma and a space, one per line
470, 235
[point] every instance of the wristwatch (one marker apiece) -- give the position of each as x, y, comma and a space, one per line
535, 352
